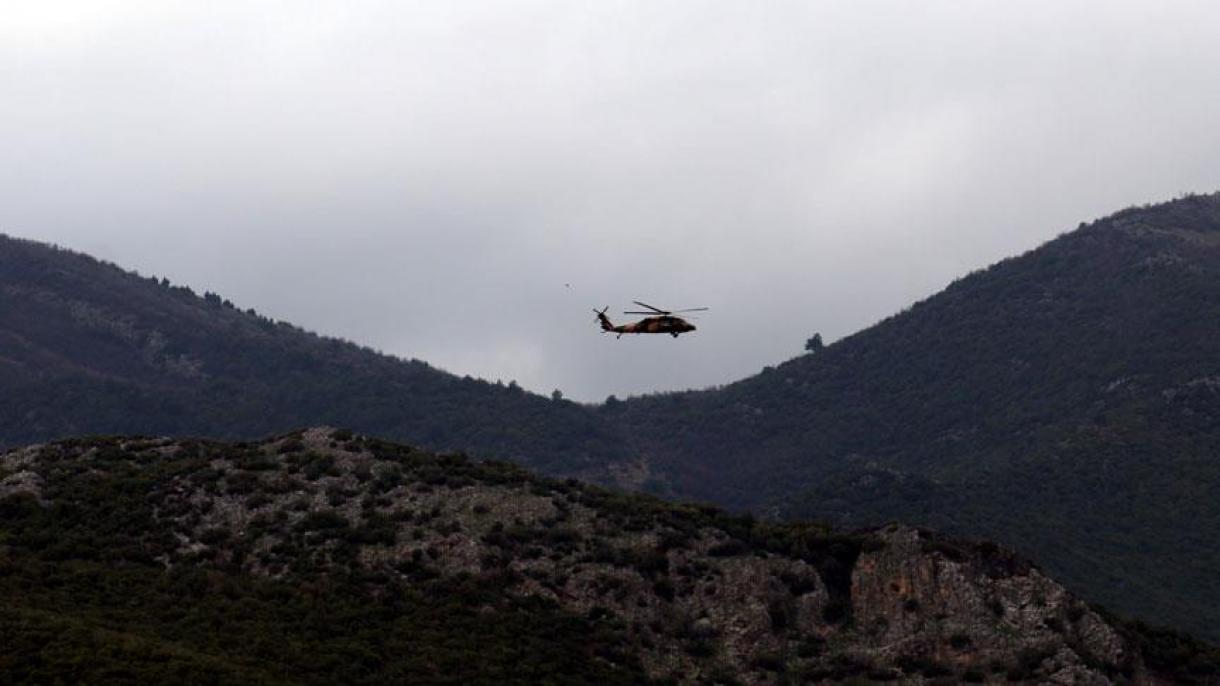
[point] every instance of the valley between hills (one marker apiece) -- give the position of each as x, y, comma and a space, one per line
1064, 403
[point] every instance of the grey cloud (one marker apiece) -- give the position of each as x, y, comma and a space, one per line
426, 177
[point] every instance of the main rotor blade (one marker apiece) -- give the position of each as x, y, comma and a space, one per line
693, 309
654, 309
648, 313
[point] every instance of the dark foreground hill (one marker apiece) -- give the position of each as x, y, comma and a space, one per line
325, 557
1065, 402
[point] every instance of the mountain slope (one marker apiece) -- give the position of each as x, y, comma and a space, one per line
1066, 401
322, 556
88, 348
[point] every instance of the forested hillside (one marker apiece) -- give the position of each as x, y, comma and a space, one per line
86, 347
1066, 402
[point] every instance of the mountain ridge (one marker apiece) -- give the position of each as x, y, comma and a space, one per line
1062, 401
1063, 386
159, 359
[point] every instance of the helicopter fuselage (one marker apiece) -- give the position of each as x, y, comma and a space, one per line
671, 325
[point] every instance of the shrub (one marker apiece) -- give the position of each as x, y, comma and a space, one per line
291, 446
769, 662
322, 520
258, 500
214, 535
664, 588
960, 641
730, 548
319, 466
837, 611
781, 613
799, 584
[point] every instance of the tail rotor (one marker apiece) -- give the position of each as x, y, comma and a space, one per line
603, 319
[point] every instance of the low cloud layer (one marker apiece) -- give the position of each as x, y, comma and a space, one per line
462, 182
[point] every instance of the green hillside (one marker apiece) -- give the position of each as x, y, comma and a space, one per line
1066, 402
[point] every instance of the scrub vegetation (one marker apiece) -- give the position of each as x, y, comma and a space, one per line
324, 556
1063, 402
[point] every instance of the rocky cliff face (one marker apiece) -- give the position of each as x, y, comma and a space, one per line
688, 593
975, 609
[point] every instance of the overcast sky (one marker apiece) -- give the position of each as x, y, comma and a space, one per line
462, 182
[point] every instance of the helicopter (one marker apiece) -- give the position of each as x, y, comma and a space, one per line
658, 321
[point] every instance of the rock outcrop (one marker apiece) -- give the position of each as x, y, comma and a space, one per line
696, 595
